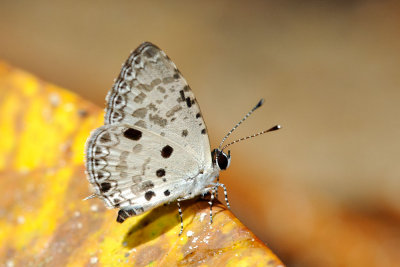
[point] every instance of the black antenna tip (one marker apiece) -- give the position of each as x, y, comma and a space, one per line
259, 104
276, 127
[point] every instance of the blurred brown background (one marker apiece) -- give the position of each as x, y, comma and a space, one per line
323, 191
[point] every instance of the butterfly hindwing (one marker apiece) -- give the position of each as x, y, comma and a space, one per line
132, 166
151, 93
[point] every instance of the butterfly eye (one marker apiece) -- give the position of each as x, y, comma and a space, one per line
223, 160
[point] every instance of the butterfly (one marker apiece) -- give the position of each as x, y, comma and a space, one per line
153, 147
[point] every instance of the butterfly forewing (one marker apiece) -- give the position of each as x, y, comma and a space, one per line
132, 166
154, 146
151, 93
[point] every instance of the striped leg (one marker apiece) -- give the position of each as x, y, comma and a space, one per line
211, 203
216, 188
180, 214
225, 193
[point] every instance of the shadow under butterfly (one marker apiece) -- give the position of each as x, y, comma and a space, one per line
161, 220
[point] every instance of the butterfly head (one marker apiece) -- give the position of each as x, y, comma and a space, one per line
221, 159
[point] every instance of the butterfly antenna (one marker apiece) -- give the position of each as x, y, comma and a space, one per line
276, 127
259, 104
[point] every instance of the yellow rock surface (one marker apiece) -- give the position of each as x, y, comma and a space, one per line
43, 220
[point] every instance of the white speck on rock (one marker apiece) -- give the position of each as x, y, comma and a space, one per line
189, 233
94, 208
202, 216
20, 219
54, 99
93, 260
205, 240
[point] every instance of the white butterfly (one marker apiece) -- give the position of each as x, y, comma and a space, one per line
153, 147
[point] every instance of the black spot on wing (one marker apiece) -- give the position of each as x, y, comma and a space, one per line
105, 187
188, 102
166, 151
149, 194
167, 193
122, 216
182, 95
203, 131
160, 172
133, 134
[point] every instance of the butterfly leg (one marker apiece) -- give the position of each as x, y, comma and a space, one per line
211, 203
225, 193
180, 214
216, 188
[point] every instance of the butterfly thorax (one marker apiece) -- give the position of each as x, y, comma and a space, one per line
202, 183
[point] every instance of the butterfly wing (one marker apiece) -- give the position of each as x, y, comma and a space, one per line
131, 166
151, 93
